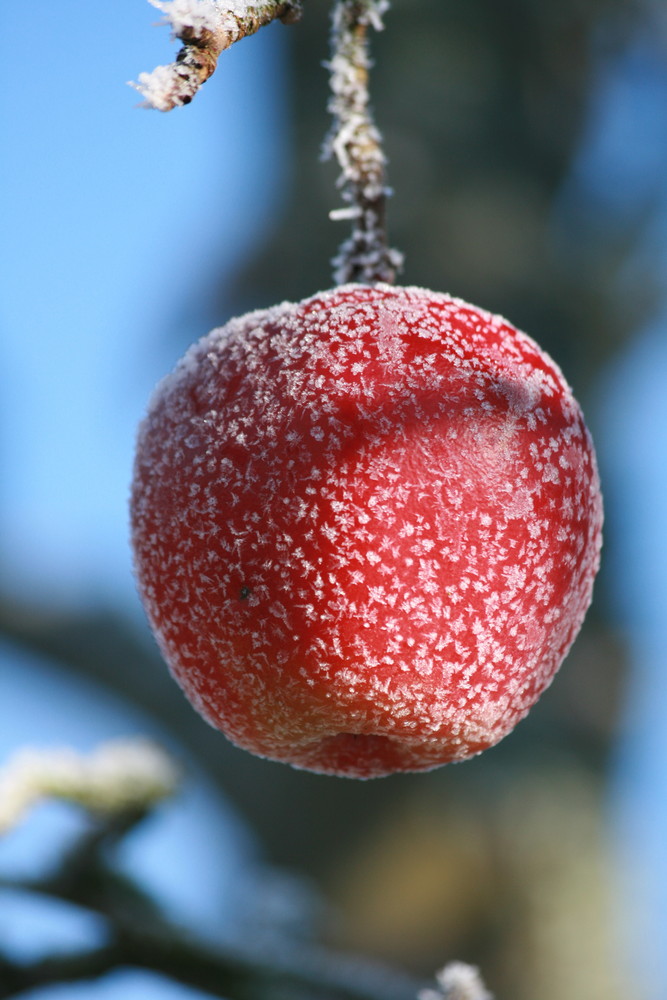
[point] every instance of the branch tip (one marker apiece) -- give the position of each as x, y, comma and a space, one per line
119, 777
206, 28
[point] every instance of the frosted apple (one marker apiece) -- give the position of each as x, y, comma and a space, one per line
366, 528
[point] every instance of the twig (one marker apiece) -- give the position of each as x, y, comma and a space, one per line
206, 28
137, 932
245, 971
356, 144
16, 977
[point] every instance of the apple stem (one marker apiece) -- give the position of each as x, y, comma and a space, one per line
356, 143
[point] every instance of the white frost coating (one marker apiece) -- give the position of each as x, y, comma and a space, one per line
168, 86
366, 528
196, 15
162, 88
118, 776
457, 981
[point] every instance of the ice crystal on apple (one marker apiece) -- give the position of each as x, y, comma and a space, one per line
366, 528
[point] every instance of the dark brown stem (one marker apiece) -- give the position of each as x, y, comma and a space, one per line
240, 972
357, 145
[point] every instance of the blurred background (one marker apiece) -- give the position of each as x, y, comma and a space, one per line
528, 153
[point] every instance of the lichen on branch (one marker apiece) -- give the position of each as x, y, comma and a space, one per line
206, 28
356, 144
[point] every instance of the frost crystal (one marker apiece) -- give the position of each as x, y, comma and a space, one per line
120, 776
366, 528
457, 981
193, 15
356, 144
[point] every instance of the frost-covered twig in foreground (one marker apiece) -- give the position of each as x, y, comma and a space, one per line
457, 981
357, 145
206, 28
119, 777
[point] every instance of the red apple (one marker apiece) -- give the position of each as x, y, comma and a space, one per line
366, 528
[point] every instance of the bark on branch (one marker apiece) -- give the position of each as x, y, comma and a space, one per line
118, 785
206, 28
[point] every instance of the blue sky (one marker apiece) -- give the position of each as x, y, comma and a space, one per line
114, 218
619, 181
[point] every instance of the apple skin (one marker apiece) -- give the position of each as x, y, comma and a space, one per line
366, 528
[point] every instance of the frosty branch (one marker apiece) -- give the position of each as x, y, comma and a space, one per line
206, 28
121, 777
139, 935
118, 784
357, 146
